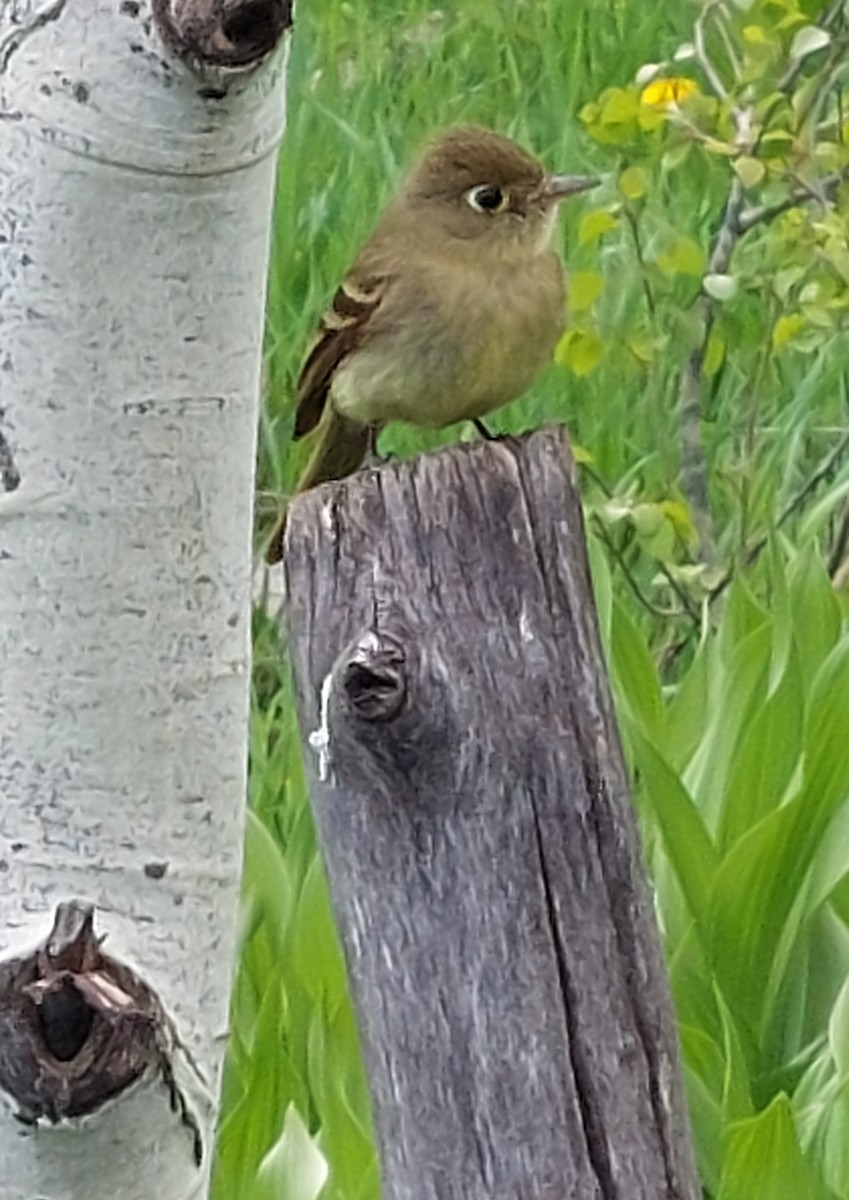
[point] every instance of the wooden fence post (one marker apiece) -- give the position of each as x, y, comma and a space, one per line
474, 818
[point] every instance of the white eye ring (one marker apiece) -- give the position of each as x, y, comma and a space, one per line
487, 198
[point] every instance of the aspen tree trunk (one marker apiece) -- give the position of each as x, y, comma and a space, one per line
137, 152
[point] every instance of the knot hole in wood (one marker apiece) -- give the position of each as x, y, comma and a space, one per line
253, 27
374, 678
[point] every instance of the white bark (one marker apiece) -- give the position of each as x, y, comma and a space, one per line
134, 222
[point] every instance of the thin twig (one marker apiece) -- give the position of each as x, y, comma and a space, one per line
736, 220
664, 614
828, 20
638, 248
686, 600
760, 213
703, 59
753, 552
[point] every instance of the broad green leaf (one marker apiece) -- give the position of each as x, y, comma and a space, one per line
686, 714
816, 610
750, 171
680, 516
643, 346
826, 777
294, 1167
315, 957
743, 615
647, 518
720, 287
633, 183
267, 877
786, 329
250, 1129
785, 279
829, 1141
821, 512
764, 1159
809, 39
594, 225
585, 287
345, 1133
618, 106
602, 590
683, 257
762, 879
579, 351
765, 758
838, 1032
688, 845
736, 694
715, 354
636, 675
703, 1071
736, 1089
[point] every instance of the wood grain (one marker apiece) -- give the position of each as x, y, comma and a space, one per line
474, 818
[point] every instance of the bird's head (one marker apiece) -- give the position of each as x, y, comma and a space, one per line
479, 184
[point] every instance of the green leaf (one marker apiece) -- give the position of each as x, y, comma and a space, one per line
764, 1159
786, 328
580, 352
294, 1167
602, 590
720, 287
314, 954
688, 845
838, 1032
750, 171
817, 620
736, 694
594, 225
821, 512
585, 287
715, 353
809, 39
756, 905
829, 1142
703, 1069
765, 757
633, 183
636, 675
683, 257
736, 1088
686, 713
268, 882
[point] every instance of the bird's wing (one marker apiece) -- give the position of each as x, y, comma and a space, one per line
345, 326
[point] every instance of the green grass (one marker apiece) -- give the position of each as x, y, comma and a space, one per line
732, 713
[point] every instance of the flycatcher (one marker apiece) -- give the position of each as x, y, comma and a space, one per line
452, 307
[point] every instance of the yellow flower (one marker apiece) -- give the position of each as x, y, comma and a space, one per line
661, 93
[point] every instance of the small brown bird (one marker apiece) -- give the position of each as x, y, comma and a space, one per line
452, 307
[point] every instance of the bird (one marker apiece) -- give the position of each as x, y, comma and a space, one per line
451, 309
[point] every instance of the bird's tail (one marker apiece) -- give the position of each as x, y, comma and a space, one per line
340, 450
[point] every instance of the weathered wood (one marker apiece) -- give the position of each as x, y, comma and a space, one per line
474, 817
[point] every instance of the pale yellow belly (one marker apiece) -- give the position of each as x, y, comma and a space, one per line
432, 373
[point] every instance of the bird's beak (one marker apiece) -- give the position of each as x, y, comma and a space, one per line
557, 187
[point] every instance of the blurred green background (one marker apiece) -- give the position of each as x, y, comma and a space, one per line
728, 656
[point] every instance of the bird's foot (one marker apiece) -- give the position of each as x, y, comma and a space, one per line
373, 456
485, 433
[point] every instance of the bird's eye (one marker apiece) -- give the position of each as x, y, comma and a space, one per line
486, 197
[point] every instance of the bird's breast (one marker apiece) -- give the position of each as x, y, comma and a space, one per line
470, 339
